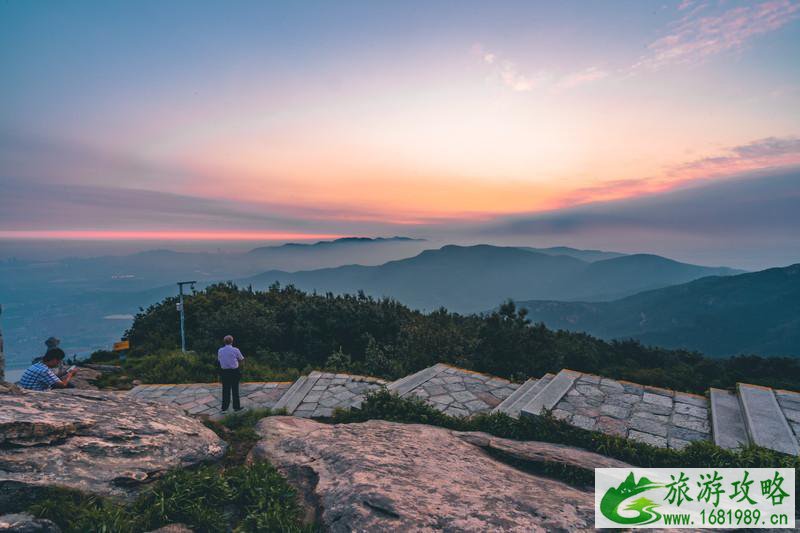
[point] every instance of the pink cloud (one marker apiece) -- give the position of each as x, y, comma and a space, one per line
693, 39
770, 152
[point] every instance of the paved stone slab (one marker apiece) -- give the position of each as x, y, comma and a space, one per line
459, 392
532, 393
766, 424
206, 398
511, 405
323, 392
727, 420
550, 395
291, 393
405, 385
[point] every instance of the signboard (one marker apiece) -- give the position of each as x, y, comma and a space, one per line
122, 345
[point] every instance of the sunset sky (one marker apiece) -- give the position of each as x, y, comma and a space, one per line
292, 120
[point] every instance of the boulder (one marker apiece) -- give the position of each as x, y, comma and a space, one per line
85, 378
98, 442
173, 528
25, 523
385, 476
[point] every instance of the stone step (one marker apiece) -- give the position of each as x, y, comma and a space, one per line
290, 395
727, 420
766, 424
550, 395
506, 405
405, 385
523, 395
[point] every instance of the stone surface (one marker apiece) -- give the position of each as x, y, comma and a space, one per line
206, 398
408, 383
766, 424
657, 416
173, 528
549, 397
99, 442
456, 391
85, 378
25, 523
324, 391
383, 476
524, 394
647, 438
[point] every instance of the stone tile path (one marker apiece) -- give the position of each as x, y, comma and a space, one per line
319, 393
460, 392
206, 398
652, 415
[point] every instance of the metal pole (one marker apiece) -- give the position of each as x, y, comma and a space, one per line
183, 330
2, 354
180, 308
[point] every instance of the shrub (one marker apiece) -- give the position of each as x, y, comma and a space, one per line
171, 366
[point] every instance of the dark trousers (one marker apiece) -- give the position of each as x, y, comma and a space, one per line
230, 387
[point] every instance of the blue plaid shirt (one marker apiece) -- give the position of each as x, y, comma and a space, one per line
38, 377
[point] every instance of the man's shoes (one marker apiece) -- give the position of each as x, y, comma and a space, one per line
224, 409
239, 409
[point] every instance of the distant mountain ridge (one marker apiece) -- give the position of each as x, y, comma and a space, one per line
336, 242
476, 278
70, 297
756, 312
583, 255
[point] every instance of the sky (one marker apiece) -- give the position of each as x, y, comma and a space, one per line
459, 121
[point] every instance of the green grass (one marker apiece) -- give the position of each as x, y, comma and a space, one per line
208, 499
230, 496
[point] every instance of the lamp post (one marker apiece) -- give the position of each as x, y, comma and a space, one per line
2, 354
180, 308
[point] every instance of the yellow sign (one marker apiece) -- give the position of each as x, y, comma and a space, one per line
122, 345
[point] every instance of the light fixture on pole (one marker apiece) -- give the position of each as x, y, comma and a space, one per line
180, 309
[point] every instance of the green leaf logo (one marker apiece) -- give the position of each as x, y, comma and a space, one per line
616, 496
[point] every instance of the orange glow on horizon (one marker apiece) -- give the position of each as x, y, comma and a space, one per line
99, 235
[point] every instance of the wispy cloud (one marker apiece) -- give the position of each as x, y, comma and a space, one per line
693, 38
510, 74
582, 77
506, 70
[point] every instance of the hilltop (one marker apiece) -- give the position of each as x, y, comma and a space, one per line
757, 312
470, 279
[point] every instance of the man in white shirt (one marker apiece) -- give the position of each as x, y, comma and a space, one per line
230, 360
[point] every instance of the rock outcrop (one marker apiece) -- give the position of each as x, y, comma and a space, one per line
99, 442
385, 476
25, 523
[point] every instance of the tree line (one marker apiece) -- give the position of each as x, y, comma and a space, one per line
287, 330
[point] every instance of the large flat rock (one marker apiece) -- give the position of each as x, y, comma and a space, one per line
99, 442
385, 476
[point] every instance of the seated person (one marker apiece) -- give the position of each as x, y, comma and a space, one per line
40, 376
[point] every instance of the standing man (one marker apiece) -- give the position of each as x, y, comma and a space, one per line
229, 360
